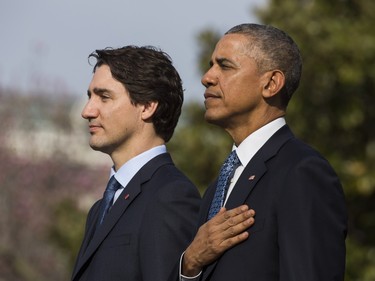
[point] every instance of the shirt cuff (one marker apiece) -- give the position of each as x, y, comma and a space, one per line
186, 278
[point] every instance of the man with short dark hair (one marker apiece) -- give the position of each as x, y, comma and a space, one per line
149, 210
301, 220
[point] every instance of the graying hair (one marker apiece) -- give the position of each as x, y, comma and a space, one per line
272, 49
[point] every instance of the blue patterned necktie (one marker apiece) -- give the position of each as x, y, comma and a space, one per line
226, 173
112, 186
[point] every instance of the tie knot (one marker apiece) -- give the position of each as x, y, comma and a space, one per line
113, 185
232, 161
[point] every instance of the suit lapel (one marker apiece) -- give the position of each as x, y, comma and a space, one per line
257, 167
251, 175
128, 195
120, 206
98, 235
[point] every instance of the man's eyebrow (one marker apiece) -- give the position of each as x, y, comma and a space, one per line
100, 90
222, 61
97, 91
218, 61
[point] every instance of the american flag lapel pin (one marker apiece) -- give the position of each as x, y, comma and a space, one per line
126, 196
252, 177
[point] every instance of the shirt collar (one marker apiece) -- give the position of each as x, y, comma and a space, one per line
130, 168
247, 149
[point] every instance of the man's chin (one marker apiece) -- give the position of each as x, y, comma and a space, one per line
215, 120
100, 148
211, 119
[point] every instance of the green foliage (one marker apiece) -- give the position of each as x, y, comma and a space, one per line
333, 107
207, 40
360, 262
67, 229
197, 147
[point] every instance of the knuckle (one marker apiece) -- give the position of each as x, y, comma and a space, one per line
226, 215
231, 222
231, 231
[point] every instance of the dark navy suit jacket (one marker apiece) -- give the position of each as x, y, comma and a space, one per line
146, 230
300, 222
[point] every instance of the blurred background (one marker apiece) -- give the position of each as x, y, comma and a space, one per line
49, 176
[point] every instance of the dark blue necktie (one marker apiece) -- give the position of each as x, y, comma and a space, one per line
112, 186
226, 173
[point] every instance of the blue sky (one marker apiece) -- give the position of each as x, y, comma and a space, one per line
45, 43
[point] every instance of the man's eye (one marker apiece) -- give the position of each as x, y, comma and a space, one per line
224, 66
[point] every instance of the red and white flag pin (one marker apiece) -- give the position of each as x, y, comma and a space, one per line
126, 196
251, 177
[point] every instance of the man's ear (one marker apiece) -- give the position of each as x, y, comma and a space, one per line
275, 81
149, 110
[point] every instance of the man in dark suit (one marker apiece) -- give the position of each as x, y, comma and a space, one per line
134, 102
301, 220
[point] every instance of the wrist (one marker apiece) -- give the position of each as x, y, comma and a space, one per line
190, 264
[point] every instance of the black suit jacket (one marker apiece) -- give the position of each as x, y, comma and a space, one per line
146, 230
300, 222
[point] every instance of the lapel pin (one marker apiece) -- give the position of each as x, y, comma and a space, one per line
251, 177
126, 196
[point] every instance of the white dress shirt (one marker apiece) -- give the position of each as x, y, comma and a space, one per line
249, 146
245, 152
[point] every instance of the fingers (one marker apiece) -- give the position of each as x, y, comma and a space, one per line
236, 211
241, 215
233, 240
223, 231
230, 226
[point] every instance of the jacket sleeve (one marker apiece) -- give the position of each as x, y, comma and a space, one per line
312, 221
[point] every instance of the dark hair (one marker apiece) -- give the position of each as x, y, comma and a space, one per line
272, 48
148, 75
